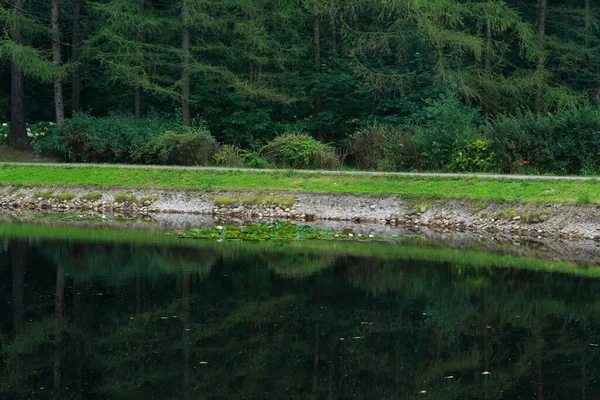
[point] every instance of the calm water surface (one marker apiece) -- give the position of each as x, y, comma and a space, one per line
124, 320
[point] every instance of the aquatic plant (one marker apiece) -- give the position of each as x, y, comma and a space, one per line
279, 230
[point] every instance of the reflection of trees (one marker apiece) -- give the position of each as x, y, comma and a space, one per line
164, 327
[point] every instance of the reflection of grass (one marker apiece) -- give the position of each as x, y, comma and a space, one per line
407, 249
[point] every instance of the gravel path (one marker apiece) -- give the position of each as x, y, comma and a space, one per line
358, 173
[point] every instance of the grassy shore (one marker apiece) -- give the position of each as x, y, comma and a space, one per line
557, 191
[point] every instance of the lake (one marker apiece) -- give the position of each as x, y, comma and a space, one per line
97, 314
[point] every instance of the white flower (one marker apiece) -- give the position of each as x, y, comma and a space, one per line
5, 124
28, 129
219, 227
5, 135
350, 235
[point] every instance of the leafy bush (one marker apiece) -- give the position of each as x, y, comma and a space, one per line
157, 139
382, 147
299, 150
253, 160
566, 142
230, 156
194, 147
473, 156
445, 125
35, 132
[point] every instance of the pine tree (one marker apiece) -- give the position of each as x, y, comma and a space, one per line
26, 61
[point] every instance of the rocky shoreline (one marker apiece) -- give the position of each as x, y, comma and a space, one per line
443, 215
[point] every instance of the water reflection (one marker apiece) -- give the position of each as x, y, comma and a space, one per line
121, 320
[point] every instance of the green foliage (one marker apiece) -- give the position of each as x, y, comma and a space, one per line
445, 125
383, 147
566, 142
282, 231
121, 139
282, 200
300, 151
123, 197
35, 131
473, 156
230, 156
92, 196
195, 146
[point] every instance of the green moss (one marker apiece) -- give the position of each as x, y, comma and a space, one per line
122, 197
92, 196
281, 200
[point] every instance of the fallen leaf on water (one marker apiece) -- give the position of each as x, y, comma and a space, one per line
203, 362
423, 391
594, 344
449, 377
486, 373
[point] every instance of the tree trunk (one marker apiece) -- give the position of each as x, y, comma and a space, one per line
334, 29
588, 16
76, 85
542, 12
487, 62
137, 95
59, 108
18, 132
185, 65
318, 101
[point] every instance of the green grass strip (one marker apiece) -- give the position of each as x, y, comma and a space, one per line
410, 249
556, 191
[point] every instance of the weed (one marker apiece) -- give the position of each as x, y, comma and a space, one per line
66, 196
44, 195
14, 189
122, 197
584, 198
281, 200
479, 206
92, 196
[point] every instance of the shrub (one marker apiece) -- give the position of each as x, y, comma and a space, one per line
157, 139
566, 142
35, 132
299, 150
445, 125
230, 156
194, 147
473, 156
382, 147
253, 160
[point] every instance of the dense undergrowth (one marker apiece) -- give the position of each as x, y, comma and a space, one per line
445, 136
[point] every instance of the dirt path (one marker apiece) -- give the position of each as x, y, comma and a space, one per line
358, 173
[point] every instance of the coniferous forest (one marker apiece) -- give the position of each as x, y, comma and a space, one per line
395, 85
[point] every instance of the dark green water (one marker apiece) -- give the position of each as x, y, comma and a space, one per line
102, 319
